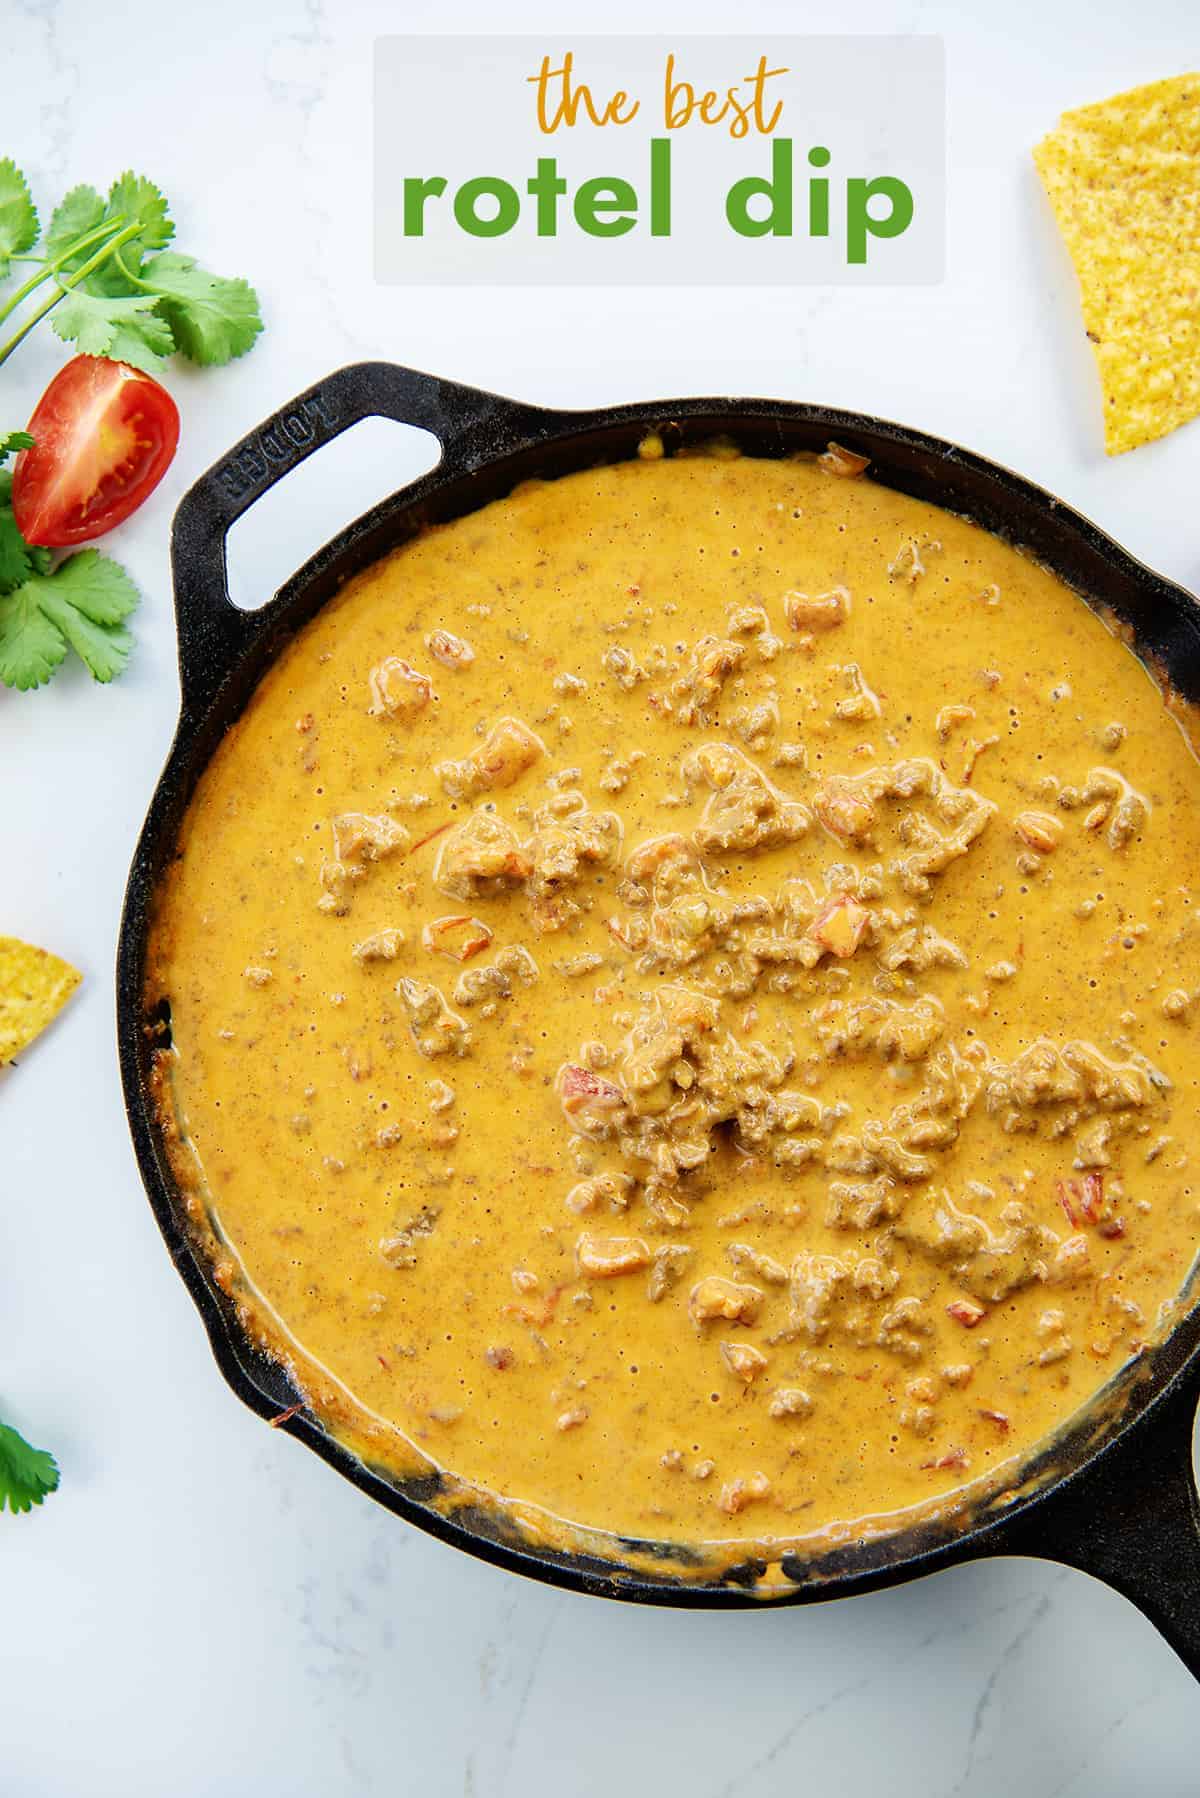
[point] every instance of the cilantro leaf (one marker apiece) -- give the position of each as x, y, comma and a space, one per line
213, 319
77, 216
95, 585
137, 201
15, 560
77, 213
15, 554
18, 559
118, 292
127, 328
104, 648
18, 217
81, 604
14, 441
15, 563
26, 1474
31, 647
142, 202
132, 200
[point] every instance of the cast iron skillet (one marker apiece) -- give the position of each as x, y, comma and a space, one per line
1115, 1496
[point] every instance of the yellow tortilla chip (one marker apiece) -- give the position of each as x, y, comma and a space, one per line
1123, 177
34, 987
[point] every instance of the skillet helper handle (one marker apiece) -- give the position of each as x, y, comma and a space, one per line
213, 632
1133, 1520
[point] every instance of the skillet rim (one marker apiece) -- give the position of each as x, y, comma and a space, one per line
499, 432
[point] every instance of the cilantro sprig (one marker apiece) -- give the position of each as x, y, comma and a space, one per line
27, 1474
109, 284
45, 610
113, 287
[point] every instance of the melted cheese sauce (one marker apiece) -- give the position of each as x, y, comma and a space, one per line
798, 1169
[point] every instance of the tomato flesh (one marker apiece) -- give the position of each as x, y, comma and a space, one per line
104, 436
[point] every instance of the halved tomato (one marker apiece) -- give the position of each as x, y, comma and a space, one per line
103, 438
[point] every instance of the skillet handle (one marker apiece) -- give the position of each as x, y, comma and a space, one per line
1132, 1519
213, 632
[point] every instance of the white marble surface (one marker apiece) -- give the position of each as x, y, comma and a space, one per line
204, 1608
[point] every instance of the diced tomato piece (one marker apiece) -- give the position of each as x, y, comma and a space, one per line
1093, 1195
459, 937
839, 926
537, 1316
1082, 1198
590, 1103
953, 1457
1066, 1189
578, 1086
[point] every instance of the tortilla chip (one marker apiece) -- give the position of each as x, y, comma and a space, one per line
34, 987
1123, 178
